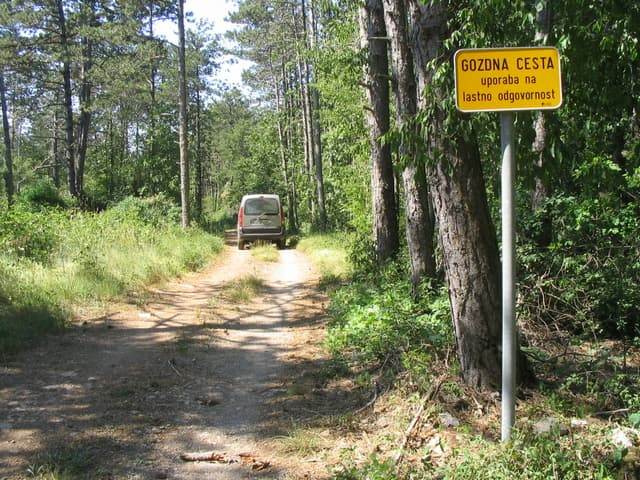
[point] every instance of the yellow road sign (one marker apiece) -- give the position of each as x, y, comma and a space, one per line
501, 79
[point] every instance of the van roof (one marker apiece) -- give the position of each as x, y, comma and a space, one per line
260, 195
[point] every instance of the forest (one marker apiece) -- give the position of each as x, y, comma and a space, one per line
125, 159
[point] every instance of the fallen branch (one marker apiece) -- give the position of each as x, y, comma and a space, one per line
170, 362
435, 387
610, 413
373, 399
245, 458
204, 457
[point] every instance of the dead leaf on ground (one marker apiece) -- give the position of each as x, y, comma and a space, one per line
253, 462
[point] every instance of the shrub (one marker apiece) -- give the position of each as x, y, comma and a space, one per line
30, 234
532, 457
43, 194
52, 261
372, 319
588, 279
156, 210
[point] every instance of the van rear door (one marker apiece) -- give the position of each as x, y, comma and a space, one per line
262, 214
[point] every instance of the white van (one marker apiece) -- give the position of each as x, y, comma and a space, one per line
261, 217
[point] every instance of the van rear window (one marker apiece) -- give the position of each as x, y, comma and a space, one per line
260, 206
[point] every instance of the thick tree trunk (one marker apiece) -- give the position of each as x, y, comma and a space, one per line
541, 185
68, 104
420, 227
6, 135
467, 235
182, 114
376, 81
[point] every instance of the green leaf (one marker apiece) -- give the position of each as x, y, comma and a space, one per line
634, 420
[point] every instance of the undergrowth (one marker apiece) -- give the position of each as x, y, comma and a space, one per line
54, 260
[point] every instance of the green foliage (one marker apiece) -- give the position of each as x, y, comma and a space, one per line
531, 457
53, 261
43, 194
25, 233
157, 210
374, 318
329, 256
375, 469
588, 280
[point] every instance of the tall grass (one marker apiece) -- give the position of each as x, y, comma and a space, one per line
53, 261
328, 253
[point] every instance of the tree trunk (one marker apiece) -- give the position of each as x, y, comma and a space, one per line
420, 227
8, 161
199, 171
467, 235
316, 134
68, 105
112, 158
284, 162
84, 121
152, 81
182, 118
541, 189
55, 169
376, 71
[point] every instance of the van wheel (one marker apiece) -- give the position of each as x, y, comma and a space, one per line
280, 244
240, 244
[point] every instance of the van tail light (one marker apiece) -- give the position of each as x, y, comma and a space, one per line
241, 217
282, 215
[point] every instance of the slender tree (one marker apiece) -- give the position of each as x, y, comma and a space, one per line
182, 119
6, 135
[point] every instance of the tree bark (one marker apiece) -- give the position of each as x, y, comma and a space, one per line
199, 170
68, 105
6, 135
182, 114
420, 227
152, 81
316, 133
376, 81
280, 91
55, 169
541, 185
467, 234
84, 120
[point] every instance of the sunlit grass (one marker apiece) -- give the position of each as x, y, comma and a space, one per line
265, 252
101, 259
302, 442
243, 289
328, 252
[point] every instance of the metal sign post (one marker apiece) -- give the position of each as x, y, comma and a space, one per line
509, 348
506, 80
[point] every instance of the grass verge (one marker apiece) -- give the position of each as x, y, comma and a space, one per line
328, 253
59, 260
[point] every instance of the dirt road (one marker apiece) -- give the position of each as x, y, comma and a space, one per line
124, 395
